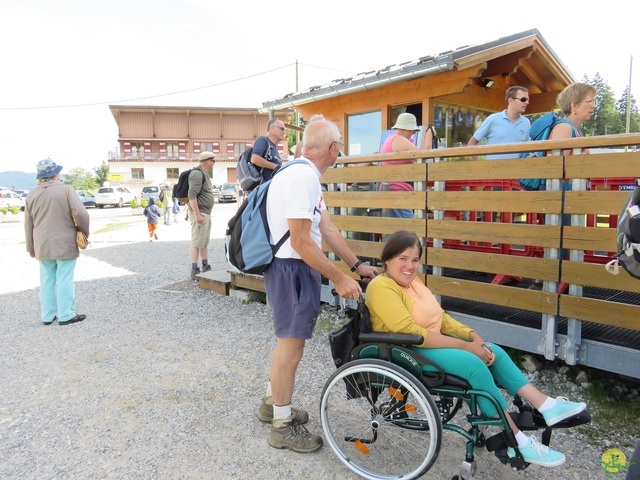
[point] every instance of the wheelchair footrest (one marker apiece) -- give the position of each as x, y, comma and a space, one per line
500, 441
517, 462
524, 420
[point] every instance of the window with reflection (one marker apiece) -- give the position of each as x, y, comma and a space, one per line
363, 133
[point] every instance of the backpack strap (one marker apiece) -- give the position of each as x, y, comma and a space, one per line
574, 132
434, 136
284, 238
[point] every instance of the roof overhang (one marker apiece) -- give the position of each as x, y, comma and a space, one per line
522, 59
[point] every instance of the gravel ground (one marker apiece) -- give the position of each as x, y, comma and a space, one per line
163, 379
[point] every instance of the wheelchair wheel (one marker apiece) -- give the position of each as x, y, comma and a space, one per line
380, 420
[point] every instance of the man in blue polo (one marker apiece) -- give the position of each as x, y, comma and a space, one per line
508, 126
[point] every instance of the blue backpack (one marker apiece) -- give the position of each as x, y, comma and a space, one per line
247, 245
540, 130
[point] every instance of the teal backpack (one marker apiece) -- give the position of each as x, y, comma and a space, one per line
540, 130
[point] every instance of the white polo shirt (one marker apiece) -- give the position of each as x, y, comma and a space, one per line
295, 193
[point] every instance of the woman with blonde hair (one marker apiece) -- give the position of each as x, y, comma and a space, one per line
578, 103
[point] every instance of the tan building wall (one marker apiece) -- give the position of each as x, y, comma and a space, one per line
156, 144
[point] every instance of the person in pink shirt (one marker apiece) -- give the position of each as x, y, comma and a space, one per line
400, 141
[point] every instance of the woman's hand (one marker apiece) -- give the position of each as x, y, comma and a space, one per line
478, 347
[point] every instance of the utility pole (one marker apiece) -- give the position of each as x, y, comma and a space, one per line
297, 113
629, 96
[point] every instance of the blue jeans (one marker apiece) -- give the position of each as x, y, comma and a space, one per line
470, 367
57, 290
401, 213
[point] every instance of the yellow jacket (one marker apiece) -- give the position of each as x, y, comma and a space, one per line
390, 310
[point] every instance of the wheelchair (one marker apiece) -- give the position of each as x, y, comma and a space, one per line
383, 412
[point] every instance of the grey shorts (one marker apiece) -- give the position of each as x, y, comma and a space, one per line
293, 294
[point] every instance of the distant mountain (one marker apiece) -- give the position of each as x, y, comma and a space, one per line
18, 180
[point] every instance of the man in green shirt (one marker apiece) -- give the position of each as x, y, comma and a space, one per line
199, 211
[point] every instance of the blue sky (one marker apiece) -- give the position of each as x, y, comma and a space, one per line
95, 53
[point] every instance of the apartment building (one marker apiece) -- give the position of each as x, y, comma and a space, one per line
156, 143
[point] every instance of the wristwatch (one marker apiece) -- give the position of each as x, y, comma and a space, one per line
356, 265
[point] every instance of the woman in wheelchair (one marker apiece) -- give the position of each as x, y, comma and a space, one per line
397, 302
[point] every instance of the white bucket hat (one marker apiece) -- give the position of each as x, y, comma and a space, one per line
406, 121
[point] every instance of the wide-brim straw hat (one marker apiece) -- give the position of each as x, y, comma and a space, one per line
406, 121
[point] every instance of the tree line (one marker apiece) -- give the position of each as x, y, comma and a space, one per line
83, 179
610, 116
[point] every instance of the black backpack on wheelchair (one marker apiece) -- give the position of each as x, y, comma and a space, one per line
383, 411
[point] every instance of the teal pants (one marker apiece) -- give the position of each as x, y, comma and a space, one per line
470, 367
57, 290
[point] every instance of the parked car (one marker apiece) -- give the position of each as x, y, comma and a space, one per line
150, 191
228, 193
9, 198
114, 195
88, 200
216, 191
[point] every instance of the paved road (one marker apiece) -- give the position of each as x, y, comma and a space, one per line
109, 227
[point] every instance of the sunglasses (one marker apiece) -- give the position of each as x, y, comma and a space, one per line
522, 99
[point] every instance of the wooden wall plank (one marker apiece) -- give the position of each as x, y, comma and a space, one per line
539, 167
526, 267
361, 248
595, 202
606, 165
384, 225
373, 199
594, 275
514, 234
520, 201
593, 239
416, 172
600, 311
521, 298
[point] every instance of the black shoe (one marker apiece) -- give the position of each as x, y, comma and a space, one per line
206, 268
194, 272
49, 323
77, 318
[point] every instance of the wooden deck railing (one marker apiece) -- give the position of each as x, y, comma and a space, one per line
474, 217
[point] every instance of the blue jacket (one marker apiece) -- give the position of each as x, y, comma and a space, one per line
152, 212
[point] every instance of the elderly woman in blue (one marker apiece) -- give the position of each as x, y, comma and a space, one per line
397, 302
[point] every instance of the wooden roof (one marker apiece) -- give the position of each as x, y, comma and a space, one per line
524, 59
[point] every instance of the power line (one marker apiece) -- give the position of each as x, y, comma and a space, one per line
150, 96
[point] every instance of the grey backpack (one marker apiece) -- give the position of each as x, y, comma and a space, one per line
628, 256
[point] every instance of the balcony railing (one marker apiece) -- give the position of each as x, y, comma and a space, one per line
165, 157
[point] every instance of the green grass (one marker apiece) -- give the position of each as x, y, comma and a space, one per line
114, 226
612, 414
328, 323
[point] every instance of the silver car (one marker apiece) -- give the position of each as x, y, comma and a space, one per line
228, 193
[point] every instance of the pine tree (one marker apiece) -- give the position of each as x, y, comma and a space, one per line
606, 119
621, 107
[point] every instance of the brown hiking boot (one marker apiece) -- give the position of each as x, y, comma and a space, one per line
290, 434
265, 413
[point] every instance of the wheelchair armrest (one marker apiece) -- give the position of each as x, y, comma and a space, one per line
393, 338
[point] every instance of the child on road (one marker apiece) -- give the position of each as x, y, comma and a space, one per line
153, 213
175, 210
